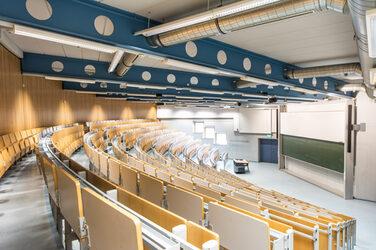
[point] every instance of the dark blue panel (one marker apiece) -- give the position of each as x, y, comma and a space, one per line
268, 150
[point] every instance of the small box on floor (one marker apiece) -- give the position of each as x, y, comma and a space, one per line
240, 166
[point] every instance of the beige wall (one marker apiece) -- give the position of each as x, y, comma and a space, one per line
29, 102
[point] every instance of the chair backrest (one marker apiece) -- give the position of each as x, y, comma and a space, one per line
185, 204
70, 199
114, 171
51, 179
6, 140
110, 227
244, 231
208, 192
128, 179
151, 189
243, 204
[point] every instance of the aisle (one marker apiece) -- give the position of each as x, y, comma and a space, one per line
25, 216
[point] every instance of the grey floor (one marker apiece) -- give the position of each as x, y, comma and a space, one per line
26, 222
25, 215
268, 176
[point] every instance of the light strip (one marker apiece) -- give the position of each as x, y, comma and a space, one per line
145, 86
307, 91
115, 60
252, 95
145, 95
205, 16
199, 68
58, 38
259, 81
91, 92
56, 78
212, 92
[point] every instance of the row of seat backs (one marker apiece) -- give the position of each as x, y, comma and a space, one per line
196, 235
300, 241
13, 146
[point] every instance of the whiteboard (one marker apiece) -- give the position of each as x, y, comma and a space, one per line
328, 126
256, 121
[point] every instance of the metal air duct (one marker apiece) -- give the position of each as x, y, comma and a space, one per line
125, 64
324, 71
244, 84
358, 12
266, 14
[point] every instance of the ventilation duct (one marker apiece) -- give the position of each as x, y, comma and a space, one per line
125, 64
240, 20
358, 10
244, 84
325, 71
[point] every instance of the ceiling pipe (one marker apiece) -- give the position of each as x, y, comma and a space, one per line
355, 87
324, 71
243, 19
125, 64
243, 84
358, 10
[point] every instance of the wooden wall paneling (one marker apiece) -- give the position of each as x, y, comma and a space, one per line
29, 101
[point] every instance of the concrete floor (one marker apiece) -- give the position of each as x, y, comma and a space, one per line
268, 176
25, 216
26, 222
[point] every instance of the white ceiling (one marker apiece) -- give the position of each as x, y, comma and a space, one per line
312, 37
33, 45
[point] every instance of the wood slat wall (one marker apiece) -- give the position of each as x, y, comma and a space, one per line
28, 101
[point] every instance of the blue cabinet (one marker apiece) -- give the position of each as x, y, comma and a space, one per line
268, 150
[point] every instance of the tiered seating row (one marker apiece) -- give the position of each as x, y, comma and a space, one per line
142, 182
118, 226
101, 125
68, 140
310, 223
15, 145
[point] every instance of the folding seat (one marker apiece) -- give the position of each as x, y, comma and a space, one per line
12, 137
18, 136
23, 134
31, 141
34, 131
12, 154
7, 159
28, 132
2, 165
2, 145
6, 140
17, 150
27, 145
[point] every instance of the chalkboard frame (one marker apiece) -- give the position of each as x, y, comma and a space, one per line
326, 154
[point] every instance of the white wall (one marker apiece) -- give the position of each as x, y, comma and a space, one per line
365, 164
324, 121
240, 145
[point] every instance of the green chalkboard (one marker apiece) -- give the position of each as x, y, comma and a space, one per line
322, 153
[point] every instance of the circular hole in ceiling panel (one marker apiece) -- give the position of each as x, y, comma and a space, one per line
89, 70
171, 78
194, 80
247, 64
215, 82
104, 25
268, 69
222, 57
314, 81
146, 76
301, 80
326, 85
57, 66
39, 9
191, 49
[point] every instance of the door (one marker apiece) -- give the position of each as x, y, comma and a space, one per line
268, 149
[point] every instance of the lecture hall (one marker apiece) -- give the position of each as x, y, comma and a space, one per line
187, 125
